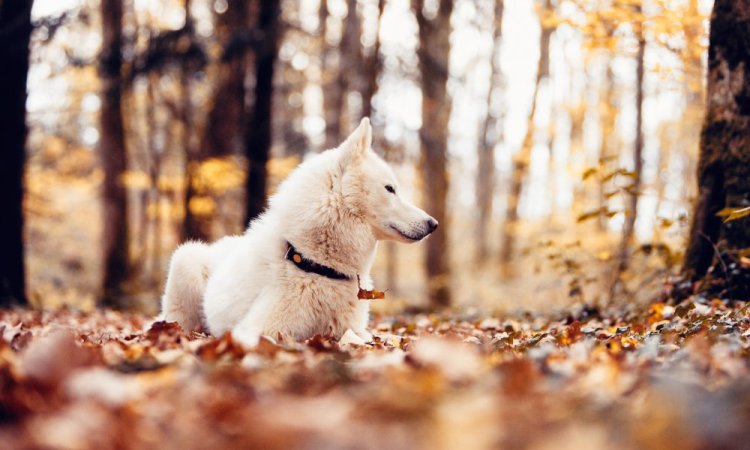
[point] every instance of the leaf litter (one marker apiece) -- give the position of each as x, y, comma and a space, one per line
664, 376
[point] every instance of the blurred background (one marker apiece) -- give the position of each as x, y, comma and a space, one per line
555, 140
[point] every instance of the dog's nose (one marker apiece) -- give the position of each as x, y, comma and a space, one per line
432, 224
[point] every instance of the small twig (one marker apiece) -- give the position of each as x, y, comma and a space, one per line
721, 260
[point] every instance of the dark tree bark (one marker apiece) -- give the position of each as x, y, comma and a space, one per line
223, 134
522, 159
433, 55
190, 228
15, 32
258, 128
489, 136
114, 156
724, 165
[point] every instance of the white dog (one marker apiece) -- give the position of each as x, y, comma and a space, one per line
295, 270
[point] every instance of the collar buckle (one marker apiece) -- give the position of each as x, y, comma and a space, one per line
310, 266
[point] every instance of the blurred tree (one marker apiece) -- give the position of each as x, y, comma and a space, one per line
522, 159
433, 54
633, 190
350, 55
223, 130
114, 156
291, 82
724, 166
258, 123
329, 76
372, 67
190, 228
577, 115
489, 136
15, 32
608, 142
693, 63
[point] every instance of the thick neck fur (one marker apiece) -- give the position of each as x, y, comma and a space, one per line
319, 220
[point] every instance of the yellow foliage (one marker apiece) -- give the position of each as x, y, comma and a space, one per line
732, 214
136, 179
53, 148
280, 168
218, 175
167, 183
202, 206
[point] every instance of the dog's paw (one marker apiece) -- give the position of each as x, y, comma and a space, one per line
248, 338
364, 335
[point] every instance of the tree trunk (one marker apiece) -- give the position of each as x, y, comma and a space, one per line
329, 77
349, 56
189, 226
223, 134
15, 32
523, 157
632, 209
258, 128
724, 165
577, 116
489, 136
607, 149
433, 54
373, 65
114, 156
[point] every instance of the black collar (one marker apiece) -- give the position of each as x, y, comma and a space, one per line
310, 266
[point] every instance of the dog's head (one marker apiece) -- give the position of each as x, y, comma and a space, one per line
370, 190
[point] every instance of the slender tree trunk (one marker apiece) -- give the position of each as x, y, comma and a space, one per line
114, 156
577, 114
489, 136
223, 134
666, 144
258, 128
349, 56
373, 65
329, 79
15, 33
189, 226
150, 195
631, 212
724, 165
434, 55
608, 141
522, 159
288, 114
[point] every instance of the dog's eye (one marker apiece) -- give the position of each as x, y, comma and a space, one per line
390, 188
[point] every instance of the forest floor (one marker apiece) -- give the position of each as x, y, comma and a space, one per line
662, 376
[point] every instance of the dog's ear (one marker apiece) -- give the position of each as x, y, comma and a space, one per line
356, 146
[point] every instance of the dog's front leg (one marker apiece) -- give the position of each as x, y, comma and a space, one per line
362, 318
362, 311
249, 330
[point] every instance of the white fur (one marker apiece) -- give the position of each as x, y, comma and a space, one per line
333, 208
